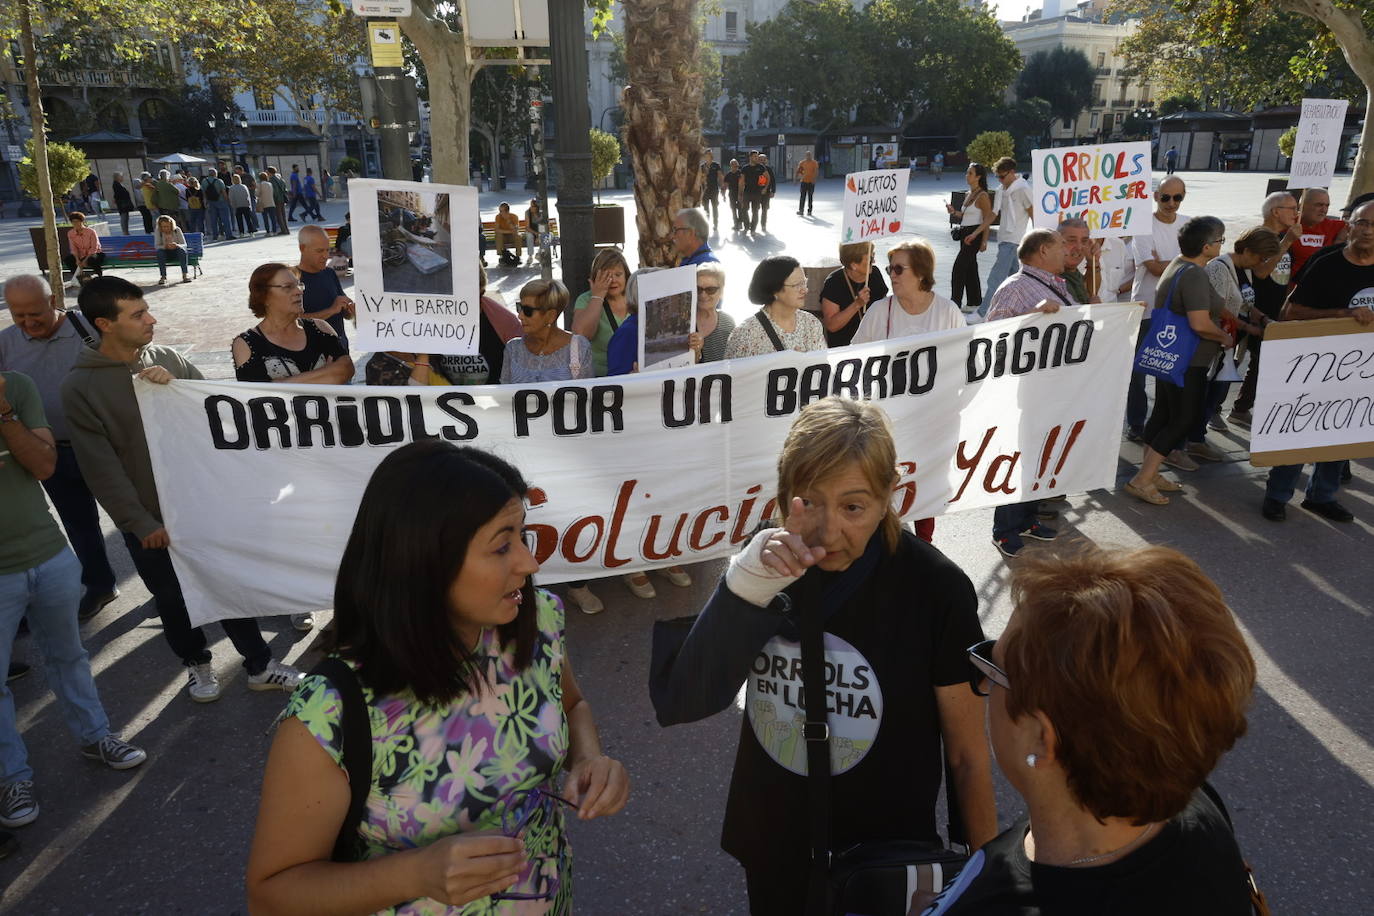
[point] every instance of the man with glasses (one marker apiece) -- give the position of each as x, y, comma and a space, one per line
690, 230
1316, 230
1337, 283
1153, 252
1270, 283
1014, 205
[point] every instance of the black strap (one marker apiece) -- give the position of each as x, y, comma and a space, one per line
771, 331
1050, 287
610, 316
356, 730
84, 331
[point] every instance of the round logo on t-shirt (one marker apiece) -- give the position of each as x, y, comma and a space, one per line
776, 703
1283, 270
1364, 299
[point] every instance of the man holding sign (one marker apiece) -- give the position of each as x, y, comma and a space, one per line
1317, 230
1338, 283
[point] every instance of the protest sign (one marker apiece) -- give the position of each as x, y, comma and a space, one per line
874, 204
1314, 400
667, 316
1107, 185
1318, 143
414, 265
259, 484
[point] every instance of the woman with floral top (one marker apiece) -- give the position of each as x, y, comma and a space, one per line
474, 714
779, 286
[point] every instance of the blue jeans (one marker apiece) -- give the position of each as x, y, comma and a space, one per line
1003, 267
269, 220
221, 219
163, 256
197, 221
48, 594
1322, 488
1013, 519
76, 507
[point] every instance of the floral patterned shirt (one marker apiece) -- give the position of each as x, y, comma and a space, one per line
441, 771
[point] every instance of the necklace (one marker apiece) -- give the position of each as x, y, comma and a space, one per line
1133, 843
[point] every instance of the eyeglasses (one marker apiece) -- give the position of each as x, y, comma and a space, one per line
534, 808
682, 229
1176, 198
529, 310
707, 290
896, 270
1363, 224
801, 285
984, 668
286, 286
1217, 241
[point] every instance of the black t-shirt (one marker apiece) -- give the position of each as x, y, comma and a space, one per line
712, 179
756, 180
1272, 291
733, 181
1192, 867
1329, 281
837, 289
321, 289
903, 633
268, 362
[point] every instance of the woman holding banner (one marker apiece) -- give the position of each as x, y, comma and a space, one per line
893, 617
457, 671
1184, 289
972, 236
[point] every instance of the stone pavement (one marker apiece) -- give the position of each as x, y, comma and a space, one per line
172, 836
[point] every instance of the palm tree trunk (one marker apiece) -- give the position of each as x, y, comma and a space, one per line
662, 129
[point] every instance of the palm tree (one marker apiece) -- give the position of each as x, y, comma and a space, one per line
662, 107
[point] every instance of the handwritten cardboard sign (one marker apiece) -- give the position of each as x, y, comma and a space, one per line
1107, 185
1318, 143
874, 204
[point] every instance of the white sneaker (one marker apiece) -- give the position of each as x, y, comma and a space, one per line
589, 603
275, 676
202, 684
303, 622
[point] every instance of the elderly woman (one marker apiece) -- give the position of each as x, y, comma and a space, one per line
713, 324
975, 218
914, 307
849, 291
1117, 685
599, 312
1185, 289
779, 286
283, 346
459, 667
241, 199
267, 204
169, 242
895, 614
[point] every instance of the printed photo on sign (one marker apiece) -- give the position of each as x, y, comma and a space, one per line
1105, 185
415, 266
874, 204
776, 703
667, 317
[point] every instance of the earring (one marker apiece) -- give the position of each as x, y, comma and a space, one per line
1030, 760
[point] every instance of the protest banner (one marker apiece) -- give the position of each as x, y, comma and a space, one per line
1318, 143
259, 484
1314, 400
874, 204
415, 265
1107, 185
667, 316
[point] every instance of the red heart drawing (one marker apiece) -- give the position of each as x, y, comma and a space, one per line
894, 226
850, 184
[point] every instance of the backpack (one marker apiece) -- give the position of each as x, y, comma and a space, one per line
213, 189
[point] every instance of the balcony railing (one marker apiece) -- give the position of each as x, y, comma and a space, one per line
1123, 103
1104, 71
80, 76
279, 117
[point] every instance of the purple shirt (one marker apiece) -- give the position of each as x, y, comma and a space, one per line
1020, 293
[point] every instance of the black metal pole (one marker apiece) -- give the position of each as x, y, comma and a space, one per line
568, 51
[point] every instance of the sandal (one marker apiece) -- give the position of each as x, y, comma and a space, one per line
1165, 485
1146, 494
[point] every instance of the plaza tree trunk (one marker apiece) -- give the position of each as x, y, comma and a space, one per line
40, 151
662, 127
449, 72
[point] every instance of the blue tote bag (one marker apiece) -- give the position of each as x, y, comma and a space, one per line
1170, 341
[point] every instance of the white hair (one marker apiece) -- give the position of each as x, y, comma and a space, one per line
1273, 202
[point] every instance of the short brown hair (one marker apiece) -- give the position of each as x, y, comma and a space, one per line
548, 294
610, 257
1263, 242
1137, 661
259, 284
830, 433
1005, 164
920, 258
854, 252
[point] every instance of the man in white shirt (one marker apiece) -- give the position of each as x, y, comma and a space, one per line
1152, 254
1014, 203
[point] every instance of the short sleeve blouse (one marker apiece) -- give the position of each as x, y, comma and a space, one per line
443, 771
268, 362
522, 366
750, 339
604, 332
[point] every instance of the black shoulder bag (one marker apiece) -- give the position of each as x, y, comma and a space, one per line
872, 879
356, 728
771, 331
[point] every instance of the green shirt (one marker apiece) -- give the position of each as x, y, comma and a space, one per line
1077, 284
604, 330
29, 536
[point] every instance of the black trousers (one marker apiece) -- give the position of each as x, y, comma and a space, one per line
711, 204
776, 893
1176, 410
964, 277
808, 196
94, 263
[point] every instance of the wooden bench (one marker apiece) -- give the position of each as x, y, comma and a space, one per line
489, 233
138, 251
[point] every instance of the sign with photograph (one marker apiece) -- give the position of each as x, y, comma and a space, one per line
874, 204
415, 265
667, 316
1106, 185
1318, 143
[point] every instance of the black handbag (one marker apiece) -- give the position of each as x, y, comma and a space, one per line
868, 879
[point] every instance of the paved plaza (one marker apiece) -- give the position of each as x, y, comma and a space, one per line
172, 836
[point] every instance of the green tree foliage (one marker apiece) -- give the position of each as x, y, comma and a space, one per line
1061, 76
990, 146
1287, 140
66, 166
605, 154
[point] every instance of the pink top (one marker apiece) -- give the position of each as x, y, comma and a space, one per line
83, 242
502, 319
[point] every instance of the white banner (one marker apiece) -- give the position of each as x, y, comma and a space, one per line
414, 268
1106, 185
874, 204
1317, 144
259, 484
1314, 400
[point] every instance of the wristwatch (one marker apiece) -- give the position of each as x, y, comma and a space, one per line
9, 416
